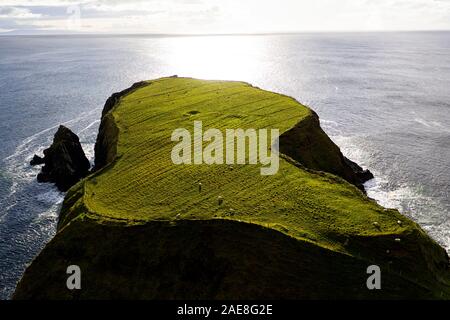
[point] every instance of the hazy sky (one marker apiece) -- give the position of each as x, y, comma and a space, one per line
221, 16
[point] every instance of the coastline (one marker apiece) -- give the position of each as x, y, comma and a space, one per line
65, 215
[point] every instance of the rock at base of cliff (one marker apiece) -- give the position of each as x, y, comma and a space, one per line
64, 161
363, 175
37, 160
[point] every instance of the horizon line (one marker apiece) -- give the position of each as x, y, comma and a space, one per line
65, 33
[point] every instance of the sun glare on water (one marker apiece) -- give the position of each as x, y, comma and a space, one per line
217, 57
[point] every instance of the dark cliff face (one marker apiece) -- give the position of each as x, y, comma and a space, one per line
115, 97
64, 161
105, 146
203, 260
308, 144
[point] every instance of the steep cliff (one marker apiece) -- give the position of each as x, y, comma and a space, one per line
308, 144
105, 146
140, 227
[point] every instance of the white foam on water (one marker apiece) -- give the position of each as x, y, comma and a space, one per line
89, 151
422, 122
90, 125
432, 125
52, 197
9, 207
401, 198
17, 166
411, 202
51, 213
331, 127
408, 199
26, 144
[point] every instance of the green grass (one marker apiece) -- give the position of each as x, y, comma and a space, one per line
316, 211
143, 184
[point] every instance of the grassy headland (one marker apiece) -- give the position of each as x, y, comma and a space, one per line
140, 228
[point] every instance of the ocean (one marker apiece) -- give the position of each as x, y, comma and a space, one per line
384, 98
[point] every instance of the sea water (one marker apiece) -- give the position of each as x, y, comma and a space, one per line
384, 98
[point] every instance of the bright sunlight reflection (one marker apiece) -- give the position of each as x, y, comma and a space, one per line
225, 57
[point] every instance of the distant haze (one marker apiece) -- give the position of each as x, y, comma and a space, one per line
219, 16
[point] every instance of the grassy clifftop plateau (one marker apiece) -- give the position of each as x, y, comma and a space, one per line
139, 227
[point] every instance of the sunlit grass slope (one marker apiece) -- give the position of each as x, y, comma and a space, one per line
332, 231
143, 183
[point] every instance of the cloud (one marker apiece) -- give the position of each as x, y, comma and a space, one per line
45, 3
230, 16
17, 13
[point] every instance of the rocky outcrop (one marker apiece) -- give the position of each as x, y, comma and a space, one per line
37, 160
362, 175
308, 144
64, 161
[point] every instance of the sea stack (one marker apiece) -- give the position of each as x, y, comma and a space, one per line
64, 161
